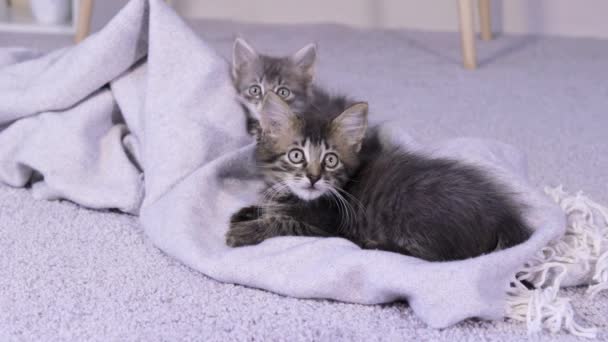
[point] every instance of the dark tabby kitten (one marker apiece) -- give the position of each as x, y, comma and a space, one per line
327, 175
255, 74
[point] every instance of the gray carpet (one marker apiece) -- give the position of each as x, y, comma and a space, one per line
68, 273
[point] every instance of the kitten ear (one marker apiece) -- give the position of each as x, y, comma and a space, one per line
305, 59
243, 55
350, 126
275, 116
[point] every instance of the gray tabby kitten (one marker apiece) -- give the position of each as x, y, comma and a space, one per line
254, 75
328, 175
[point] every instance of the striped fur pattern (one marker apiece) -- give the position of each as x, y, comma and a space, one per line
254, 75
328, 175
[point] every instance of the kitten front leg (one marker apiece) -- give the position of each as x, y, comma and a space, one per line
252, 232
246, 233
246, 214
244, 230
370, 244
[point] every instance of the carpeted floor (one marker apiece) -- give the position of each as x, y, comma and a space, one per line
68, 273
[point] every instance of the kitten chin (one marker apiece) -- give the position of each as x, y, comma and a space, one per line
307, 195
303, 189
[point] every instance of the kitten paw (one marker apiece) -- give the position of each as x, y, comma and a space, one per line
244, 234
370, 244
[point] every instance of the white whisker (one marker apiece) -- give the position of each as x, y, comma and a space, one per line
349, 210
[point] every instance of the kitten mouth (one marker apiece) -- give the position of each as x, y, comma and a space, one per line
307, 193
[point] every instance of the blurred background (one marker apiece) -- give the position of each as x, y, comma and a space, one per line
551, 17
545, 17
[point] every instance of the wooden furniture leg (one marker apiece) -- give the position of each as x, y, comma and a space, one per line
485, 20
83, 20
467, 34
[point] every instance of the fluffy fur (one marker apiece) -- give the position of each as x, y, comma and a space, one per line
328, 175
254, 75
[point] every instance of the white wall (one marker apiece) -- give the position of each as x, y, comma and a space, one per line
103, 10
579, 18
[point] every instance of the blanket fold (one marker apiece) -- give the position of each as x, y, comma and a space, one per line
141, 117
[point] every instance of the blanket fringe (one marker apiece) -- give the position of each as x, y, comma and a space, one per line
579, 257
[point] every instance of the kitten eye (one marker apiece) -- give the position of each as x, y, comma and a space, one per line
283, 92
255, 90
296, 156
330, 160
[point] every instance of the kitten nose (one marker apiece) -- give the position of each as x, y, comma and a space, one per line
313, 178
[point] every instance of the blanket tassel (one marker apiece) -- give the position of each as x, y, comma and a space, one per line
581, 256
